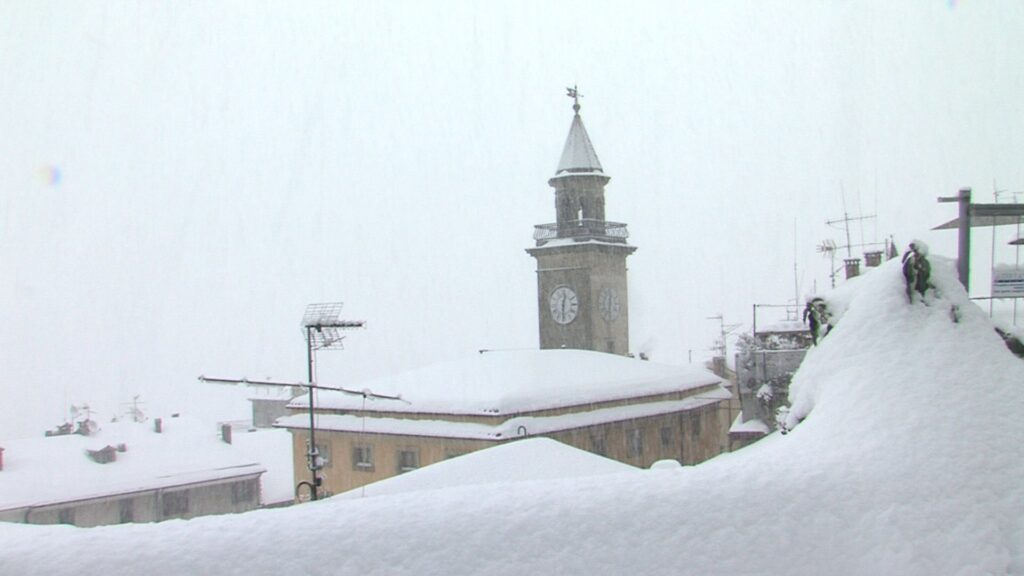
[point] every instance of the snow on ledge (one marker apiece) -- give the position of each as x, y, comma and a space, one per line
511, 428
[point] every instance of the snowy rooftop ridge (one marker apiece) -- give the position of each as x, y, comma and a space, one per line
524, 460
513, 382
578, 155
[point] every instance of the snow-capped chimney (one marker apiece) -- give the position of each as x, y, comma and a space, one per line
852, 267
225, 433
158, 425
873, 259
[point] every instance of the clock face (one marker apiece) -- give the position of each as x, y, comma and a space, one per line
564, 305
608, 304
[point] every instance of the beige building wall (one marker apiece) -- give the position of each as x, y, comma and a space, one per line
689, 437
218, 497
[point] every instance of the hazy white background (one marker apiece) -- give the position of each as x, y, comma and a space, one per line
178, 180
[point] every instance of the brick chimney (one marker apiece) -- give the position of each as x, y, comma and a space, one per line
873, 259
852, 267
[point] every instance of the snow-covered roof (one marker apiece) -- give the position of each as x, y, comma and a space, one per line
51, 470
523, 460
578, 155
866, 483
517, 426
782, 326
512, 382
752, 426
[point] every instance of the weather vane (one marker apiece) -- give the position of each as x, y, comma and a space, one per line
574, 93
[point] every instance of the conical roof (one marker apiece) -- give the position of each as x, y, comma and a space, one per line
578, 154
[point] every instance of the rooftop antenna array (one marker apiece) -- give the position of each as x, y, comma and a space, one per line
828, 247
322, 327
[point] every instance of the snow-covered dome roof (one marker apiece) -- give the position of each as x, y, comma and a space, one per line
517, 381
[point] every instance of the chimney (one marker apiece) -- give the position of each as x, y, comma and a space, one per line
225, 433
1, 458
873, 259
158, 425
852, 267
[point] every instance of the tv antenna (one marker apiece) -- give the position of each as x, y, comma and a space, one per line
827, 248
844, 225
322, 328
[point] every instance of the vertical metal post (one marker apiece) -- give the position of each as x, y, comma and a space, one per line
963, 261
312, 425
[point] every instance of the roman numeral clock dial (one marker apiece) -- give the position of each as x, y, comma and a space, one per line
564, 305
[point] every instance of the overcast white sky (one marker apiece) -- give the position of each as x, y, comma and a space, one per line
178, 180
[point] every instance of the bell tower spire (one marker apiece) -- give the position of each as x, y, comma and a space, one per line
581, 257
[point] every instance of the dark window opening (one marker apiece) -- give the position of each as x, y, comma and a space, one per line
408, 460
175, 503
362, 458
634, 442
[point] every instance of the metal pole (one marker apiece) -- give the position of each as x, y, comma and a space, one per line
312, 425
964, 249
992, 261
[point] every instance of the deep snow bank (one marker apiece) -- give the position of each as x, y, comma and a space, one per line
908, 461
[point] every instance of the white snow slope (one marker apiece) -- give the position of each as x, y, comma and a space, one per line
909, 461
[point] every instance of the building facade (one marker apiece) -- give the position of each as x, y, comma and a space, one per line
630, 410
126, 472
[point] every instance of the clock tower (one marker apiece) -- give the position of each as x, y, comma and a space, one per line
582, 298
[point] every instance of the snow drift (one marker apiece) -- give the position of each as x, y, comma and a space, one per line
907, 459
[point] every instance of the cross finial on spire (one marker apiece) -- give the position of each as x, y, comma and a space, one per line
574, 93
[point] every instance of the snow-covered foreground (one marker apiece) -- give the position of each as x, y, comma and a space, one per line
909, 461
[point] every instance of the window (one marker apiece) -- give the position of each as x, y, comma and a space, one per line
127, 510
634, 442
66, 516
408, 459
243, 491
362, 458
667, 437
175, 503
598, 445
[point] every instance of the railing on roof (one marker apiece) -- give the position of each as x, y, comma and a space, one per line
583, 229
